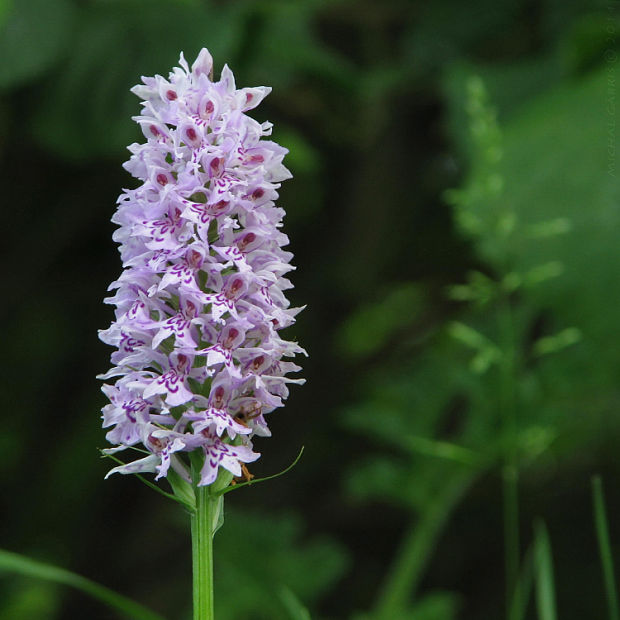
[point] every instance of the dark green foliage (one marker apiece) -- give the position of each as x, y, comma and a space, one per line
260, 557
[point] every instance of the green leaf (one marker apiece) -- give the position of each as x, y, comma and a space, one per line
557, 342
293, 605
534, 441
479, 288
487, 352
249, 578
468, 335
182, 489
542, 273
374, 325
22, 565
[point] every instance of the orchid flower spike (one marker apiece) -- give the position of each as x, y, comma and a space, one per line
199, 359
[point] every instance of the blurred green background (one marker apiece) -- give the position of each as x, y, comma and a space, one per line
432, 145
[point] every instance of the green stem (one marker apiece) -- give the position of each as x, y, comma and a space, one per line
510, 470
511, 535
602, 533
414, 551
526, 577
203, 521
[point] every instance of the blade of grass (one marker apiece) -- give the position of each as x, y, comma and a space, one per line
403, 577
543, 560
602, 534
16, 563
519, 605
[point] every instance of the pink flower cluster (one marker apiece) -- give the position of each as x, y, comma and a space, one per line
200, 302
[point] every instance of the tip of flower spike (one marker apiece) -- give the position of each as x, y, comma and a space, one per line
203, 64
